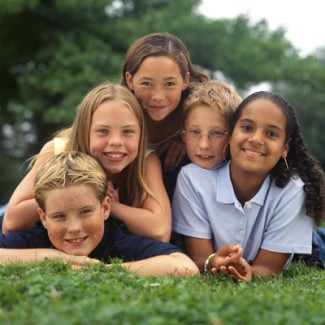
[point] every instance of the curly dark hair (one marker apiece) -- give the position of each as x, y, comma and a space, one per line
300, 162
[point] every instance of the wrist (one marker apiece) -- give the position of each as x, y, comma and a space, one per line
207, 262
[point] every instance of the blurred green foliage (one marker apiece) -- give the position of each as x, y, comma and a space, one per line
54, 51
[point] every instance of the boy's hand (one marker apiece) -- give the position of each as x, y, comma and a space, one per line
175, 153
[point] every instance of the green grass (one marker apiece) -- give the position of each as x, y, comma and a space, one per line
54, 293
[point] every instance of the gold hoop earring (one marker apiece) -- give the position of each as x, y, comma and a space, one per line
285, 161
224, 153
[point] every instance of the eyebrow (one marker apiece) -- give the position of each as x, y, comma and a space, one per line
273, 126
149, 78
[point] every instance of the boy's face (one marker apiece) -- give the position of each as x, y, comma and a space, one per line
74, 219
208, 124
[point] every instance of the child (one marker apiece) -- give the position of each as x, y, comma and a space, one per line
74, 209
206, 118
205, 126
109, 126
158, 69
266, 199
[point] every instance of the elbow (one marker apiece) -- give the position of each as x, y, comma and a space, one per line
161, 234
186, 267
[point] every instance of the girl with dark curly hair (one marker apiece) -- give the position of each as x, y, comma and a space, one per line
266, 199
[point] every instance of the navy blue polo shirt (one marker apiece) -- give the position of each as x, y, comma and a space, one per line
117, 242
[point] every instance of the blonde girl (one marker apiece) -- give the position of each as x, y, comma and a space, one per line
109, 126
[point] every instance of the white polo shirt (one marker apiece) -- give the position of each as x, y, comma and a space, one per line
205, 206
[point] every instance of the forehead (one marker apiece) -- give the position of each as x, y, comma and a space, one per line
204, 113
159, 65
114, 109
264, 111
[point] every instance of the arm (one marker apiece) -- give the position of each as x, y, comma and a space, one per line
22, 208
152, 219
176, 264
229, 256
8, 255
198, 250
267, 262
175, 154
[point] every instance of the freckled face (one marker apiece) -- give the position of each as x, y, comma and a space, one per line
74, 219
158, 86
258, 139
203, 151
114, 136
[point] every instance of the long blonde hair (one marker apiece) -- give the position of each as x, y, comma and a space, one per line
131, 181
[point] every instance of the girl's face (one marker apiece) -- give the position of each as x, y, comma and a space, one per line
205, 136
74, 219
259, 139
158, 86
114, 136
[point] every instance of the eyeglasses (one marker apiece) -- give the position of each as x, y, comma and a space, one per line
213, 136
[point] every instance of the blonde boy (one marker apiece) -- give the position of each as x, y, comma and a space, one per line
74, 209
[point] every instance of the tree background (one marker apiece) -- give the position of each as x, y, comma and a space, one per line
53, 51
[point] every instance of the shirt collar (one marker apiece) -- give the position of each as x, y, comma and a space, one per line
227, 194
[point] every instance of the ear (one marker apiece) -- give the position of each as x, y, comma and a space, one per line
106, 207
186, 81
129, 80
42, 216
285, 151
183, 135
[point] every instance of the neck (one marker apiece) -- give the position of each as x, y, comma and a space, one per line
159, 130
245, 185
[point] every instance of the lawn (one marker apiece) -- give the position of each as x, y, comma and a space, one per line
53, 293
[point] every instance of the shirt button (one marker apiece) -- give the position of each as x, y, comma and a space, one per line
241, 232
248, 206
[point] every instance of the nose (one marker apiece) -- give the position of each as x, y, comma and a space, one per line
204, 141
257, 137
114, 139
74, 225
158, 95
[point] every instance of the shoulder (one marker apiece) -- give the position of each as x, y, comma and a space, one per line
32, 238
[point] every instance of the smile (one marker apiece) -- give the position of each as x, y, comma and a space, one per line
253, 153
76, 240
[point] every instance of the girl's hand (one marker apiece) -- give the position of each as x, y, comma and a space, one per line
242, 271
176, 151
224, 257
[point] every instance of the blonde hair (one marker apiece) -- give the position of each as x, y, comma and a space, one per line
67, 169
217, 95
131, 181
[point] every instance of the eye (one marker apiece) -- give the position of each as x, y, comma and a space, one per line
217, 134
58, 216
194, 132
170, 84
129, 132
85, 211
272, 134
146, 83
102, 131
246, 128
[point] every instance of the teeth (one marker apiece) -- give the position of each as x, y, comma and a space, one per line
253, 153
77, 240
115, 155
